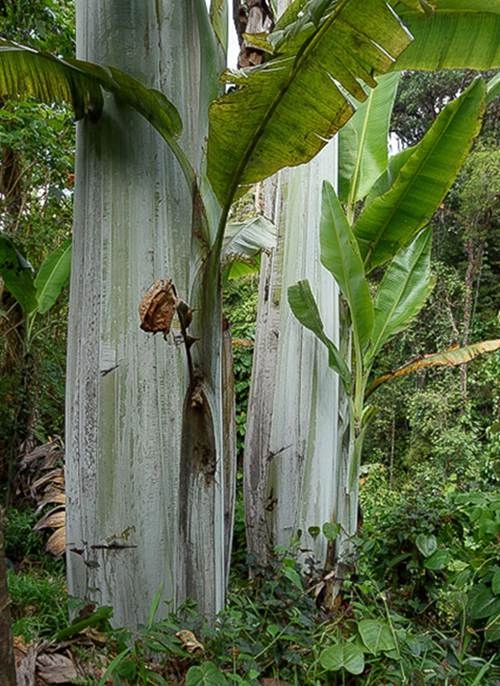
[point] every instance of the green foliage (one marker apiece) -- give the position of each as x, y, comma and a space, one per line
17, 274
21, 541
432, 548
272, 627
240, 304
265, 124
39, 603
421, 95
36, 189
45, 24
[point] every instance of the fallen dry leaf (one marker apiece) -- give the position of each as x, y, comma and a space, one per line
56, 669
189, 641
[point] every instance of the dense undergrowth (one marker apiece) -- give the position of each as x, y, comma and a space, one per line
421, 606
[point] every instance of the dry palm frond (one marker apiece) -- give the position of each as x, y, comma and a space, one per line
42, 479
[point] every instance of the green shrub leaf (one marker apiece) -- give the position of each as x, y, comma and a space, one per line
495, 582
376, 635
17, 274
426, 544
331, 530
206, 674
482, 603
438, 560
348, 656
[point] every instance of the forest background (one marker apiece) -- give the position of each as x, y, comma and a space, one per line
427, 576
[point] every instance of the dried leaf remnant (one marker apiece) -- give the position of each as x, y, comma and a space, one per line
157, 307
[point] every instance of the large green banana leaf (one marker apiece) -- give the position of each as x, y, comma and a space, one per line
453, 35
283, 112
25, 71
363, 153
304, 307
340, 255
28, 72
391, 221
403, 291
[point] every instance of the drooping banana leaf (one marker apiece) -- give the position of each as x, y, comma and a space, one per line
243, 241
449, 358
403, 291
17, 274
246, 239
304, 307
53, 276
391, 221
363, 153
340, 255
26, 71
454, 34
284, 111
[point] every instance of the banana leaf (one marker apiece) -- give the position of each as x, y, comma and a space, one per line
391, 221
218, 19
284, 111
493, 88
403, 291
304, 307
25, 71
340, 255
387, 178
449, 358
53, 276
363, 154
243, 241
452, 34
246, 239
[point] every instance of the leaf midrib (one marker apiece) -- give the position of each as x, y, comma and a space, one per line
301, 56
395, 209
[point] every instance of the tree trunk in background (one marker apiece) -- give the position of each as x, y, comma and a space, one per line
7, 665
145, 483
292, 470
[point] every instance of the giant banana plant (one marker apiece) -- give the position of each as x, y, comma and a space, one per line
136, 454
390, 230
126, 412
297, 430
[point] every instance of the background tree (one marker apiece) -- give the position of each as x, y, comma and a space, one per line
36, 183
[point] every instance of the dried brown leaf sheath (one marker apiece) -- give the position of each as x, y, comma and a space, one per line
157, 307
